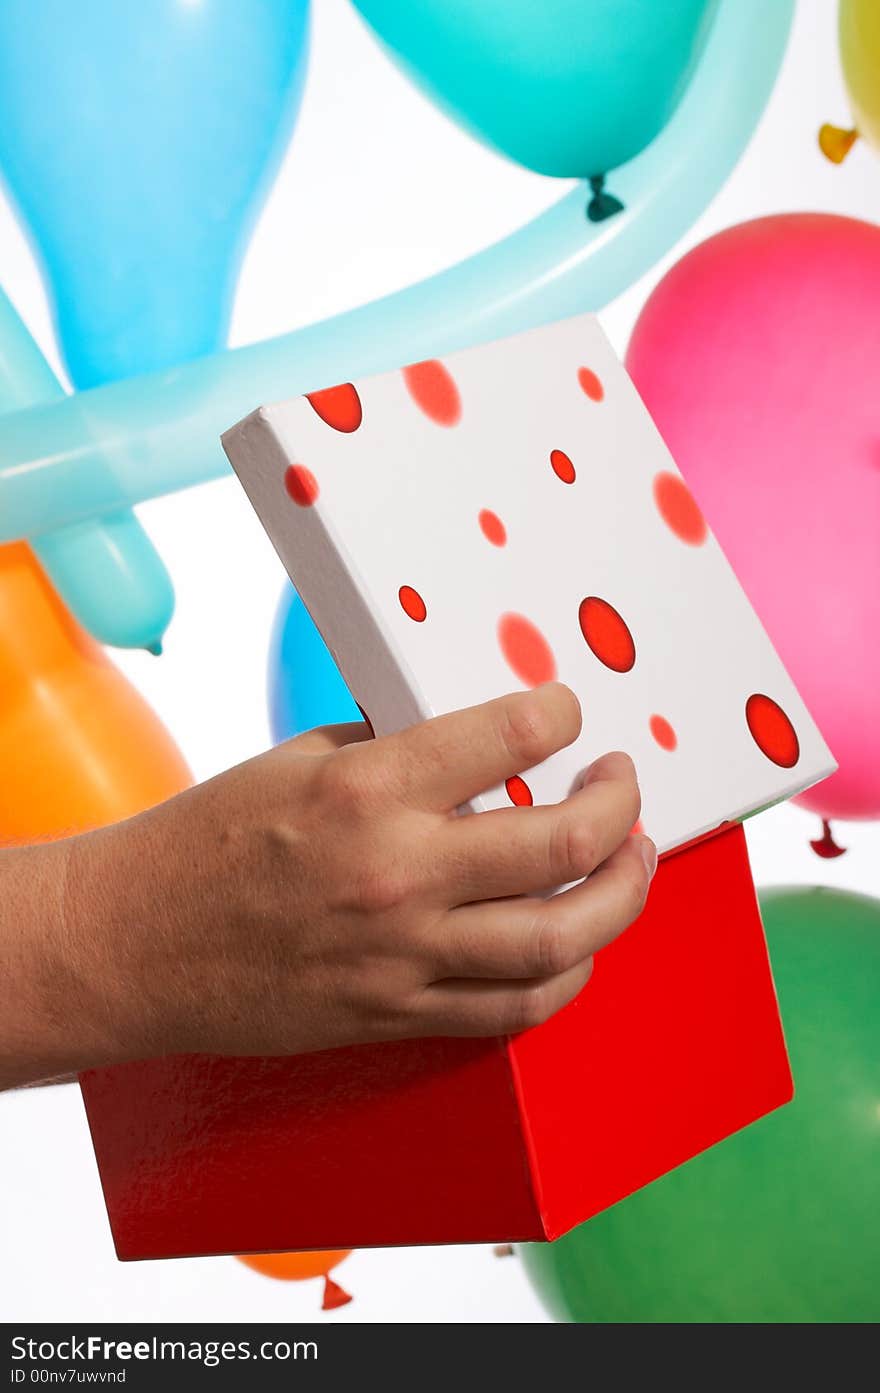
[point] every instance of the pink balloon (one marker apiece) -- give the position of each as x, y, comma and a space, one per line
758, 356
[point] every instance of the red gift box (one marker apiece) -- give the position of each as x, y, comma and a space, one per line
675, 1043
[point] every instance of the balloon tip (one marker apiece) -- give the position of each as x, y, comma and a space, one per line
602, 205
825, 846
836, 143
155, 647
334, 1295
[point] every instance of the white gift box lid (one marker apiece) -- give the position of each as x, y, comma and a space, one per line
509, 515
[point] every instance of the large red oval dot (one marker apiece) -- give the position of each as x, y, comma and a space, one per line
412, 603
590, 384
772, 731
663, 733
678, 509
562, 466
301, 484
607, 634
526, 650
492, 528
519, 792
433, 390
339, 407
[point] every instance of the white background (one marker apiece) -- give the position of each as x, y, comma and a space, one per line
378, 190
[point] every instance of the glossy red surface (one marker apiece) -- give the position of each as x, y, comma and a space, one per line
675, 1043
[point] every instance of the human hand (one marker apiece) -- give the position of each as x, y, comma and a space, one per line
326, 892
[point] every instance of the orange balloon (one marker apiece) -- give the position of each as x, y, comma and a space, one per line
294, 1267
78, 746
298, 1267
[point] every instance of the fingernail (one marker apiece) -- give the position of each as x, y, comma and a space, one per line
590, 770
649, 855
598, 764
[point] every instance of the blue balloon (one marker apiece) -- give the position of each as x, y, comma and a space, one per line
567, 87
306, 688
138, 142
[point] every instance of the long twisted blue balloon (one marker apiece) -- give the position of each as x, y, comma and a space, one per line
108, 571
107, 448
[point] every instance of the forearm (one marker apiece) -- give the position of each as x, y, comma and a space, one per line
86, 943
107, 943
50, 1017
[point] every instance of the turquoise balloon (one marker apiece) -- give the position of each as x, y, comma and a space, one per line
115, 445
138, 142
306, 688
567, 87
781, 1222
112, 578
108, 572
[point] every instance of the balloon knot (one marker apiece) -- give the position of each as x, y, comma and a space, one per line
602, 205
334, 1295
825, 846
836, 143
155, 647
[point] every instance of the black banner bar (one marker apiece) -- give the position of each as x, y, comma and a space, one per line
385, 1356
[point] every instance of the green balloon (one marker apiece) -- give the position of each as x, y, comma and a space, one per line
781, 1222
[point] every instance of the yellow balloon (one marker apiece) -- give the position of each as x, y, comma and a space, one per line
859, 36
859, 32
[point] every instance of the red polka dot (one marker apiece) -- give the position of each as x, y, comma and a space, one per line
519, 792
663, 733
301, 484
562, 466
492, 528
526, 650
590, 384
607, 634
339, 407
678, 509
433, 390
772, 731
412, 603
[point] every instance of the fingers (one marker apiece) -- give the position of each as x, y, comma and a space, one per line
441, 763
499, 1008
533, 938
520, 851
520, 962
325, 740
